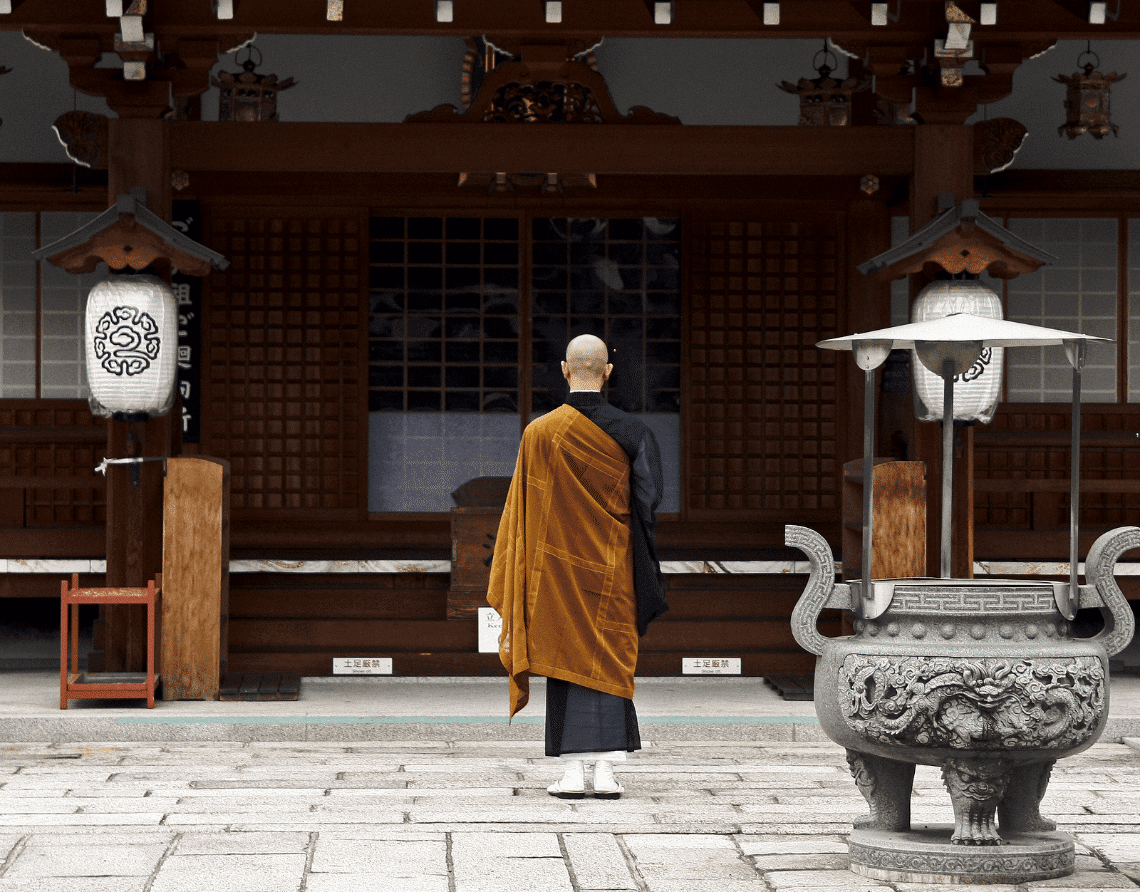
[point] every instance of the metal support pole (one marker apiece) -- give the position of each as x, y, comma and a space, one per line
1075, 490
947, 462
868, 476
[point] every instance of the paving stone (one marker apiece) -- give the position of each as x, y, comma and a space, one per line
236, 873
794, 880
252, 843
40, 858
76, 884
340, 882
1124, 848
792, 845
802, 862
505, 845
598, 861
394, 858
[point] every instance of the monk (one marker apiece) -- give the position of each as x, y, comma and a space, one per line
575, 574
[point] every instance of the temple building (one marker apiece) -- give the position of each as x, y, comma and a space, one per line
402, 212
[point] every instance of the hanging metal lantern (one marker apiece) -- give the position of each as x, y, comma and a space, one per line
131, 341
978, 389
246, 95
825, 100
1086, 99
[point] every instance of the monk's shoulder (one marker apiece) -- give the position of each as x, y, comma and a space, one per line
547, 424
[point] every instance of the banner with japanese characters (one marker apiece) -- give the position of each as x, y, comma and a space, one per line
187, 219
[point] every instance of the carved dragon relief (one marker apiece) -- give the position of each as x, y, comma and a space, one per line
980, 704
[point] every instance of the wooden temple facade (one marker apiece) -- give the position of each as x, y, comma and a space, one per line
394, 276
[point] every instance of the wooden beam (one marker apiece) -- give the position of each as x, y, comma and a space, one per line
602, 149
845, 21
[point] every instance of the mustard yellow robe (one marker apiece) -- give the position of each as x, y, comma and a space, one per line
562, 573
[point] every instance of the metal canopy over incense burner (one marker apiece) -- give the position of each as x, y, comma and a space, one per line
980, 677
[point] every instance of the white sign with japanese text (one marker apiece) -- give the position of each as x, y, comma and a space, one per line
710, 665
490, 627
362, 665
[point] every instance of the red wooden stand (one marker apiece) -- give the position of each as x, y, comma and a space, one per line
76, 685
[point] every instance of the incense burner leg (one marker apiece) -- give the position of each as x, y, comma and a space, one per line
886, 785
1020, 808
976, 787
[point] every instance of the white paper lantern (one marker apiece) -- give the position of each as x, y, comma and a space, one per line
978, 389
131, 340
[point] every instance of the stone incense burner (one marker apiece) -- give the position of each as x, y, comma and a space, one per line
981, 678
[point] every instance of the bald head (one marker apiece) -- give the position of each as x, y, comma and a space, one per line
586, 366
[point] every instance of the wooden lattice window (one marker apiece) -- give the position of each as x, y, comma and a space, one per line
284, 328
444, 314
764, 424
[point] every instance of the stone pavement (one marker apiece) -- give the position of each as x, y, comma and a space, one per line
471, 816
402, 785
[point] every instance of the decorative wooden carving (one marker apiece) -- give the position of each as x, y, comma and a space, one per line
996, 142
545, 86
84, 137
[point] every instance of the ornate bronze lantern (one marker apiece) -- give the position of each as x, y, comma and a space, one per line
1086, 99
825, 100
246, 95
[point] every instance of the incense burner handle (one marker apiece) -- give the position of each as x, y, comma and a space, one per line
1119, 622
819, 588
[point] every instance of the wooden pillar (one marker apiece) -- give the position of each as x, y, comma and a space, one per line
943, 162
138, 155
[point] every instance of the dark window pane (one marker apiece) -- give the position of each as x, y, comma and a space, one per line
463, 302
462, 376
386, 376
501, 277
462, 279
424, 351
631, 229
386, 326
501, 228
663, 328
543, 230
500, 376
385, 351
463, 252
664, 279
584, 302
623, 304
424, 400
463, 329
423, 376
386, 277
462, 351
663, 228
385, 400
502, 304
665, 377
425, 252
594, 325
425, 227
502, 327
501, 351
552, 278
386, 252
463, 227
503, 254
425, 278
665, 401
550, 302
550, 254
501, 401
386, 227
462, 401
385, 301
628, 254
423, 327
425, 301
